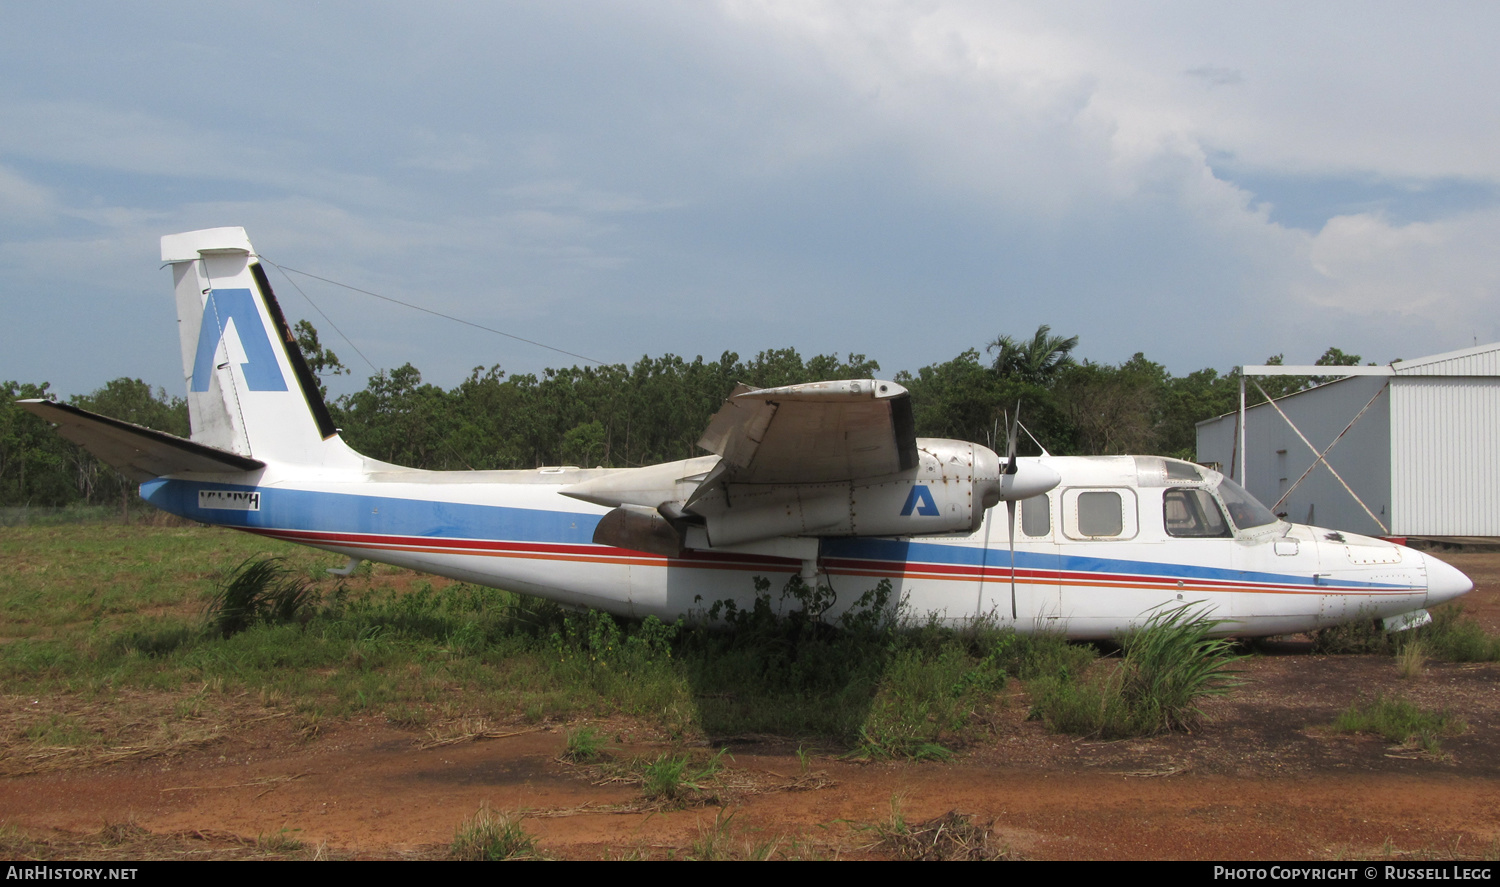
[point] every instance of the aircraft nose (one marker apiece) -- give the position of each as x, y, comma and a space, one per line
1444, 581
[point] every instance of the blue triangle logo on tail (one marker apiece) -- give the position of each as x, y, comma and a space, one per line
262, 373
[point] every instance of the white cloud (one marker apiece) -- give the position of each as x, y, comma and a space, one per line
1444, 271
567, 169
24, 201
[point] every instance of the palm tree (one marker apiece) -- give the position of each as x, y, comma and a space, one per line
1036, 361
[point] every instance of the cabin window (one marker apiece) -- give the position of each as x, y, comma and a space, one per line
1036, 516
1107, 514
1099, 514
1193, 514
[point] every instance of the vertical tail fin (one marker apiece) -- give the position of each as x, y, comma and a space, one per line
249, 390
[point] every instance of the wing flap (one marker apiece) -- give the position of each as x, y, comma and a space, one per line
820, 432
138, 453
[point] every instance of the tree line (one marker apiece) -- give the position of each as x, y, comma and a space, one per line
655, 410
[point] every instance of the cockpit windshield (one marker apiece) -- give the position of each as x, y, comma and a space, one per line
1244, 509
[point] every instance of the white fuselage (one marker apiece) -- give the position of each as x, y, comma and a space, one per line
1077, 570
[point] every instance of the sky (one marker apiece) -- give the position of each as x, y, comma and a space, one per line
1208, 183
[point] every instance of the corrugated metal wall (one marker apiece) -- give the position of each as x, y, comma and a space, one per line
1277, 457
1445, 455
1482, 361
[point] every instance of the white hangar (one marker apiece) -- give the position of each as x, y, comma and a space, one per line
1421, 457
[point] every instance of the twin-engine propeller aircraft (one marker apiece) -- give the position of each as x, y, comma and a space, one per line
825, 480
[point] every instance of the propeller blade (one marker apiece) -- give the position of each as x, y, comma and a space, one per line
1010, 511
1010, 443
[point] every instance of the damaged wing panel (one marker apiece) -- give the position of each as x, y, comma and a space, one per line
819, 432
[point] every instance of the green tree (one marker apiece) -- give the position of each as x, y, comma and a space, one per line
1114, 410
39, 467
1333, 357
133, 401
398, 418
34, 460
1037, 361
1188, 400
320, 360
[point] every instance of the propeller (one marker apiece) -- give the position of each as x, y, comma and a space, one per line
1009, 484
1010, 504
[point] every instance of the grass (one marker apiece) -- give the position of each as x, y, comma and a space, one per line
1455, 636
259, 590
724, 841
585, 745
424, 655
1410, 659
674, 780
427, 655
1172, 663
107, 660
488, 836
1400, 721
1169, 665
1452, 636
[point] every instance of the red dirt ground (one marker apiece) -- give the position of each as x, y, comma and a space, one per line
1262, 779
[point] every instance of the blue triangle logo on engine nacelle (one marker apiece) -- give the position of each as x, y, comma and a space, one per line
921, 500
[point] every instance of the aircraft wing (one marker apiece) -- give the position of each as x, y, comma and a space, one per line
139, 453
803, 462
820, 432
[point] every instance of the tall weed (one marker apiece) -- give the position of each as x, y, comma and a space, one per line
260, 590
1173, 662
1169, 665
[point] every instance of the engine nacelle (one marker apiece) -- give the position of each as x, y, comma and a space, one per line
947, 492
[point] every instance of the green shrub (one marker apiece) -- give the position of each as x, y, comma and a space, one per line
1455, 636
1089, 705
926, 696
1362, 636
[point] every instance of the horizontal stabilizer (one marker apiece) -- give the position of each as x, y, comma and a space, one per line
140, 454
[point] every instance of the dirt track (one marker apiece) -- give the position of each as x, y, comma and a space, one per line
1263, 779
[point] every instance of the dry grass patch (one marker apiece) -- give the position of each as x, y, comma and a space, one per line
953, 836
130, 841
39, 734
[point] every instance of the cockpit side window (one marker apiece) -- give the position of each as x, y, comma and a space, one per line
1193, 513
1244, 509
